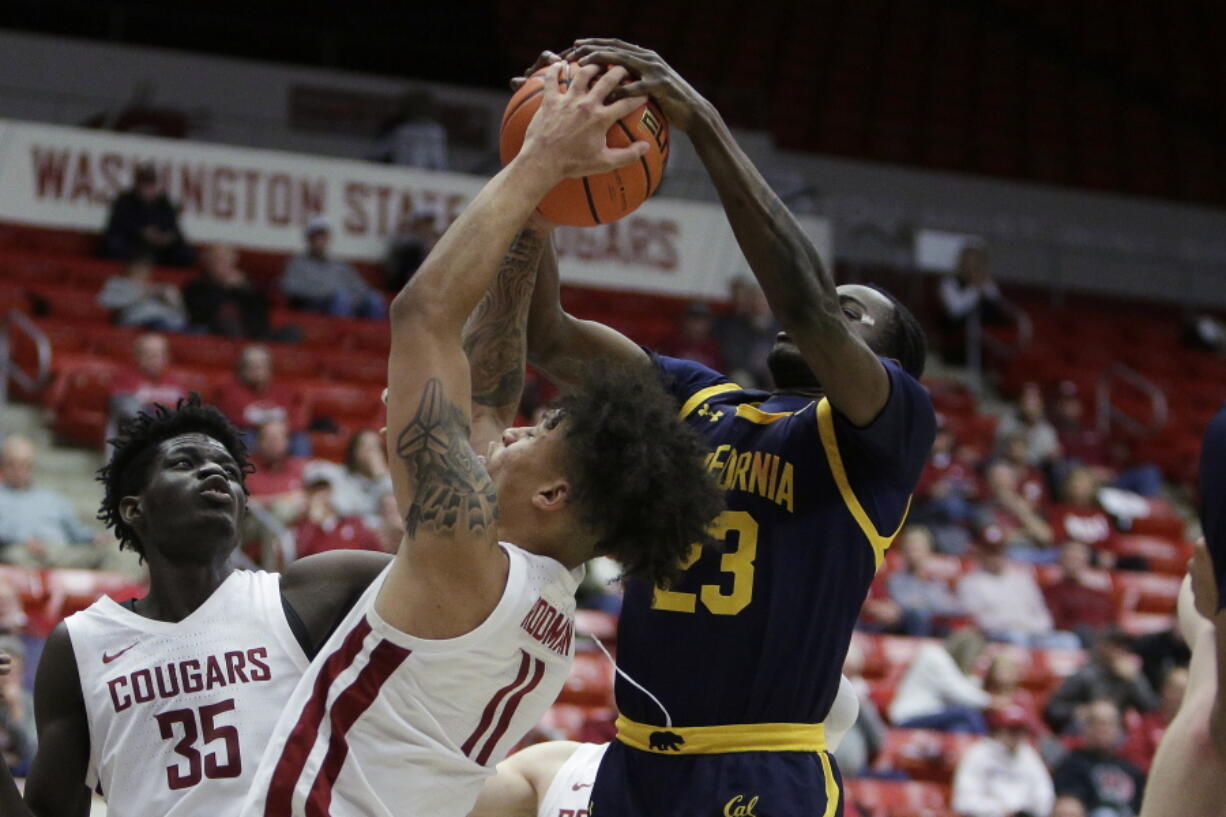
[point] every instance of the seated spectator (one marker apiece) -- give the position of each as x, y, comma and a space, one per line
1040, 441
322, 528
969, 293
142, 221
1031, 483
1014, 518
1003, 681
148, 381
413, 136
1005, 601
1079, 516
1084, 444
135, 299
1078, 603
364, 479
17, 735
316, 282
1105, 783
12, 614
746, 335
948, 491
222, 301
409, 247
867, 735
1112, 674
937, 690
253, 398
924, 599
38, 527
1002, 775
693, 339
1147, 730
278, 482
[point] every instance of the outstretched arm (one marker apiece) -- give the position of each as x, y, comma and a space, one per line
800, 288
449, 572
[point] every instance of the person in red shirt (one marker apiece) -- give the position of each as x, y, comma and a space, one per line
253, 398
1079, 516
146, 382
1030, 481
322, 528
278, 484
1078, 601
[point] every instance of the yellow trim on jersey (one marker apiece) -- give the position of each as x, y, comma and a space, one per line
825, 427
832, 787
702, 395
714, 740
751, 412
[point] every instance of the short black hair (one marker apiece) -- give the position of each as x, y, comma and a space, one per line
904, 340
136, 444
638, 472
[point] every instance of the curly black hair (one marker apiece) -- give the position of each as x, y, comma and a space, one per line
638, 472
136, 445
905, 340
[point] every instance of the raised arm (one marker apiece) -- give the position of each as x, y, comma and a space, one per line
56, 783
800, 288
449, 572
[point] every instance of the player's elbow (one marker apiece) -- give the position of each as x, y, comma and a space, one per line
417, 306
547, 340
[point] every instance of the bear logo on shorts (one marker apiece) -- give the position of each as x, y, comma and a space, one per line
666, 742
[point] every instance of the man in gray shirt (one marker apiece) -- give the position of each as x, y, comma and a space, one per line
38, 526
316, 282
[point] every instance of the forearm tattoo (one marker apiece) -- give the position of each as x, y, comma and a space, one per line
494, 336
453, 492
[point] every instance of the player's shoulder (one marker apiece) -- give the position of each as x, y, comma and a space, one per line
535, 570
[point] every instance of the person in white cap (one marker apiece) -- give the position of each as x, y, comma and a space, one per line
315, 281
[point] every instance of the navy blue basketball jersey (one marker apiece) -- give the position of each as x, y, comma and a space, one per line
757, 633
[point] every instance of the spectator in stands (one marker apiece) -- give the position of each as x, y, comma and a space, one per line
144, 222
746, 335
970, 293
1077, 600
1006, 603
1161, 652
322, 528
1018, 521
135, 299
359, 485
278, 482
38, 527
693, 339
1031, 483
319, 283
412, 136
924, 599
938, 692
253, 398
1003, 775
12, 615
1003, 681
148, 381
1083, 444
222, 301
1079, 516
17, 736
1067, 806
409, 247
1042, 443
1105, 783
1112, 674
948, 491
866, 737
1146, 731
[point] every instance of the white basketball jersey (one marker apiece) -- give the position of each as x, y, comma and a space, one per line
386, 724
179, 712
571, 790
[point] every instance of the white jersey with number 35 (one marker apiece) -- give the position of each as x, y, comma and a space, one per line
180, 712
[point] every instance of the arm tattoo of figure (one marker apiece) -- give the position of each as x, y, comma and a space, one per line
495, 334
453, 491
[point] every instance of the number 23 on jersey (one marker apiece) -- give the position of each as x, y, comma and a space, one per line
737, 559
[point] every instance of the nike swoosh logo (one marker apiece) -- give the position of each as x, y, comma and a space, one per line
578, 786
106, 659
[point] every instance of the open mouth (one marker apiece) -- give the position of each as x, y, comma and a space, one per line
216, 489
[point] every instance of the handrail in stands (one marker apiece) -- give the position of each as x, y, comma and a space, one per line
16, 319
977, 341
277, 545
1108, 413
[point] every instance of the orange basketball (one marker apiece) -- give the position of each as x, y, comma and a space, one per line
603, 197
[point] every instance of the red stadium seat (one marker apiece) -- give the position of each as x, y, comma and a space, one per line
342, 402
292, 361
68, 302
1160, 555
899, 798
1147, 592
923, 754
203, 351
590, 682
354, 366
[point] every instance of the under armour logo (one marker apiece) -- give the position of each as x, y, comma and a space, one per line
707, 412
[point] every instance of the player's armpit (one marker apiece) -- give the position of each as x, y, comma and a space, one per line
55, 786
322, 588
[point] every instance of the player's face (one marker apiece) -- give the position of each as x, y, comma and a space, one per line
868, 314
527, 458
194, 503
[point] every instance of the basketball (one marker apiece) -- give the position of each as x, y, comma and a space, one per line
602, 197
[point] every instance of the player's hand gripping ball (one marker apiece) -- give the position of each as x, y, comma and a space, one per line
602, 197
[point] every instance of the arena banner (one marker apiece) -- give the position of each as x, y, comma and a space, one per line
66, 177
